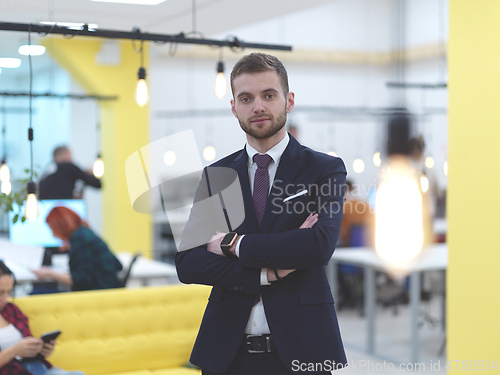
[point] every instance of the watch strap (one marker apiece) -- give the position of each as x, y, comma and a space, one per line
226, 248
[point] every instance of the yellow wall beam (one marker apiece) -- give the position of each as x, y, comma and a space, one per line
324, 56
124, 129
473, 302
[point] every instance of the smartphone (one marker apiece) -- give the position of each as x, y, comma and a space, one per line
49, 336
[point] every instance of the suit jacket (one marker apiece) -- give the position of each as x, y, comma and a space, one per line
300, 308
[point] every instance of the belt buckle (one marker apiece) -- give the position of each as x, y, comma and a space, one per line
268, 344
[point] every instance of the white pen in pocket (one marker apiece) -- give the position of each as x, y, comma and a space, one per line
295, 195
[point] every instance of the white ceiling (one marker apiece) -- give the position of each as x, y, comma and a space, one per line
170, 17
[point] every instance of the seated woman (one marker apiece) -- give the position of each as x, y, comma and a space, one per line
91, 263
20, 353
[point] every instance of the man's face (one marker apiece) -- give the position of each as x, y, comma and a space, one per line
63, 157
259, 103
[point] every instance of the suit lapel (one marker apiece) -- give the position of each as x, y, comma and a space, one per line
240, 165
287, 171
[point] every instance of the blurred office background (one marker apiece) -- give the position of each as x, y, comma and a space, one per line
346, 54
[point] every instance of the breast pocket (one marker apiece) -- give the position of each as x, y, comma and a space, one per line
315, 297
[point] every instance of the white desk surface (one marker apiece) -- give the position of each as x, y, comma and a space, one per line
434, 257
21, 255
142, 268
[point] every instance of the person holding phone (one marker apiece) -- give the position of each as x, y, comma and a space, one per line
92, 265
20, 352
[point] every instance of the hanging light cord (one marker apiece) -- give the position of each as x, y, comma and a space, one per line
4, 129
142, 53
98, 127
193, 13
30, 130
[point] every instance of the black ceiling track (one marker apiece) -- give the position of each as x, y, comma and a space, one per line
136, 35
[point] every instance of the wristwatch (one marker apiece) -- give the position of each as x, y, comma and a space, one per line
226, 244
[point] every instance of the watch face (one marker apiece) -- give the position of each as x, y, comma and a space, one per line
228, 238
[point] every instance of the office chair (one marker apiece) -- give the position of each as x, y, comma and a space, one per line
127, 275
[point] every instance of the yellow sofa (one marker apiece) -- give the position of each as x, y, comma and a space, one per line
121, 331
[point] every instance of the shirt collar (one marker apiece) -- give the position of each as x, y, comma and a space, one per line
275, 152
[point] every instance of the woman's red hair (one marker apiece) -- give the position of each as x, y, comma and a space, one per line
64, 221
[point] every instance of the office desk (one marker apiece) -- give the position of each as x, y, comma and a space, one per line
434, 257
144, 271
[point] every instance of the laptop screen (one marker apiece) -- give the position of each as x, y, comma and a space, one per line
38, 232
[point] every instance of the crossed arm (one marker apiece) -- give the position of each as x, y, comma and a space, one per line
311, 244
214, 247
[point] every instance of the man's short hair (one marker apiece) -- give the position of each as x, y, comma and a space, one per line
60, 150
260, 62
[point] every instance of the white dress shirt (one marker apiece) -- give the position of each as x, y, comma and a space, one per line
257, 323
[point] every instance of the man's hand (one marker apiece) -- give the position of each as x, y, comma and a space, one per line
281, 273
308, 223
48, 348
214, 245
28, 347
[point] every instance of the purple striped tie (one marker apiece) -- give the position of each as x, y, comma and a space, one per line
260, 191
261, 185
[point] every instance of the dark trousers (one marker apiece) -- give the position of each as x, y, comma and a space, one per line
258, 364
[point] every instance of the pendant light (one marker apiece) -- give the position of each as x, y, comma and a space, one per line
6, 187
31, 209
220, 86
399, 234
209, 152
98, 168
141, 88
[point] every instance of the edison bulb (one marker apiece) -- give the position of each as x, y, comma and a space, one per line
6, 187
445, 168
141, 93
399, 232
209, 153
169, 157
220, 85
4, 172
424, 184
358, 165
31, 207
429, 162
98, 167
377, 161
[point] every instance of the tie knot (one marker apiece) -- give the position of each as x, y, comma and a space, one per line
262, 161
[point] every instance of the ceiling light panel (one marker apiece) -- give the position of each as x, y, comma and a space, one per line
136, 2
8, 62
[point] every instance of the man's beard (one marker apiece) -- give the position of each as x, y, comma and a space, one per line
267, 132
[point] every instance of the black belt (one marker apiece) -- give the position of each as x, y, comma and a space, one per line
259, 343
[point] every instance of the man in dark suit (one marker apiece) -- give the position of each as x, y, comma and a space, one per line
271, 310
